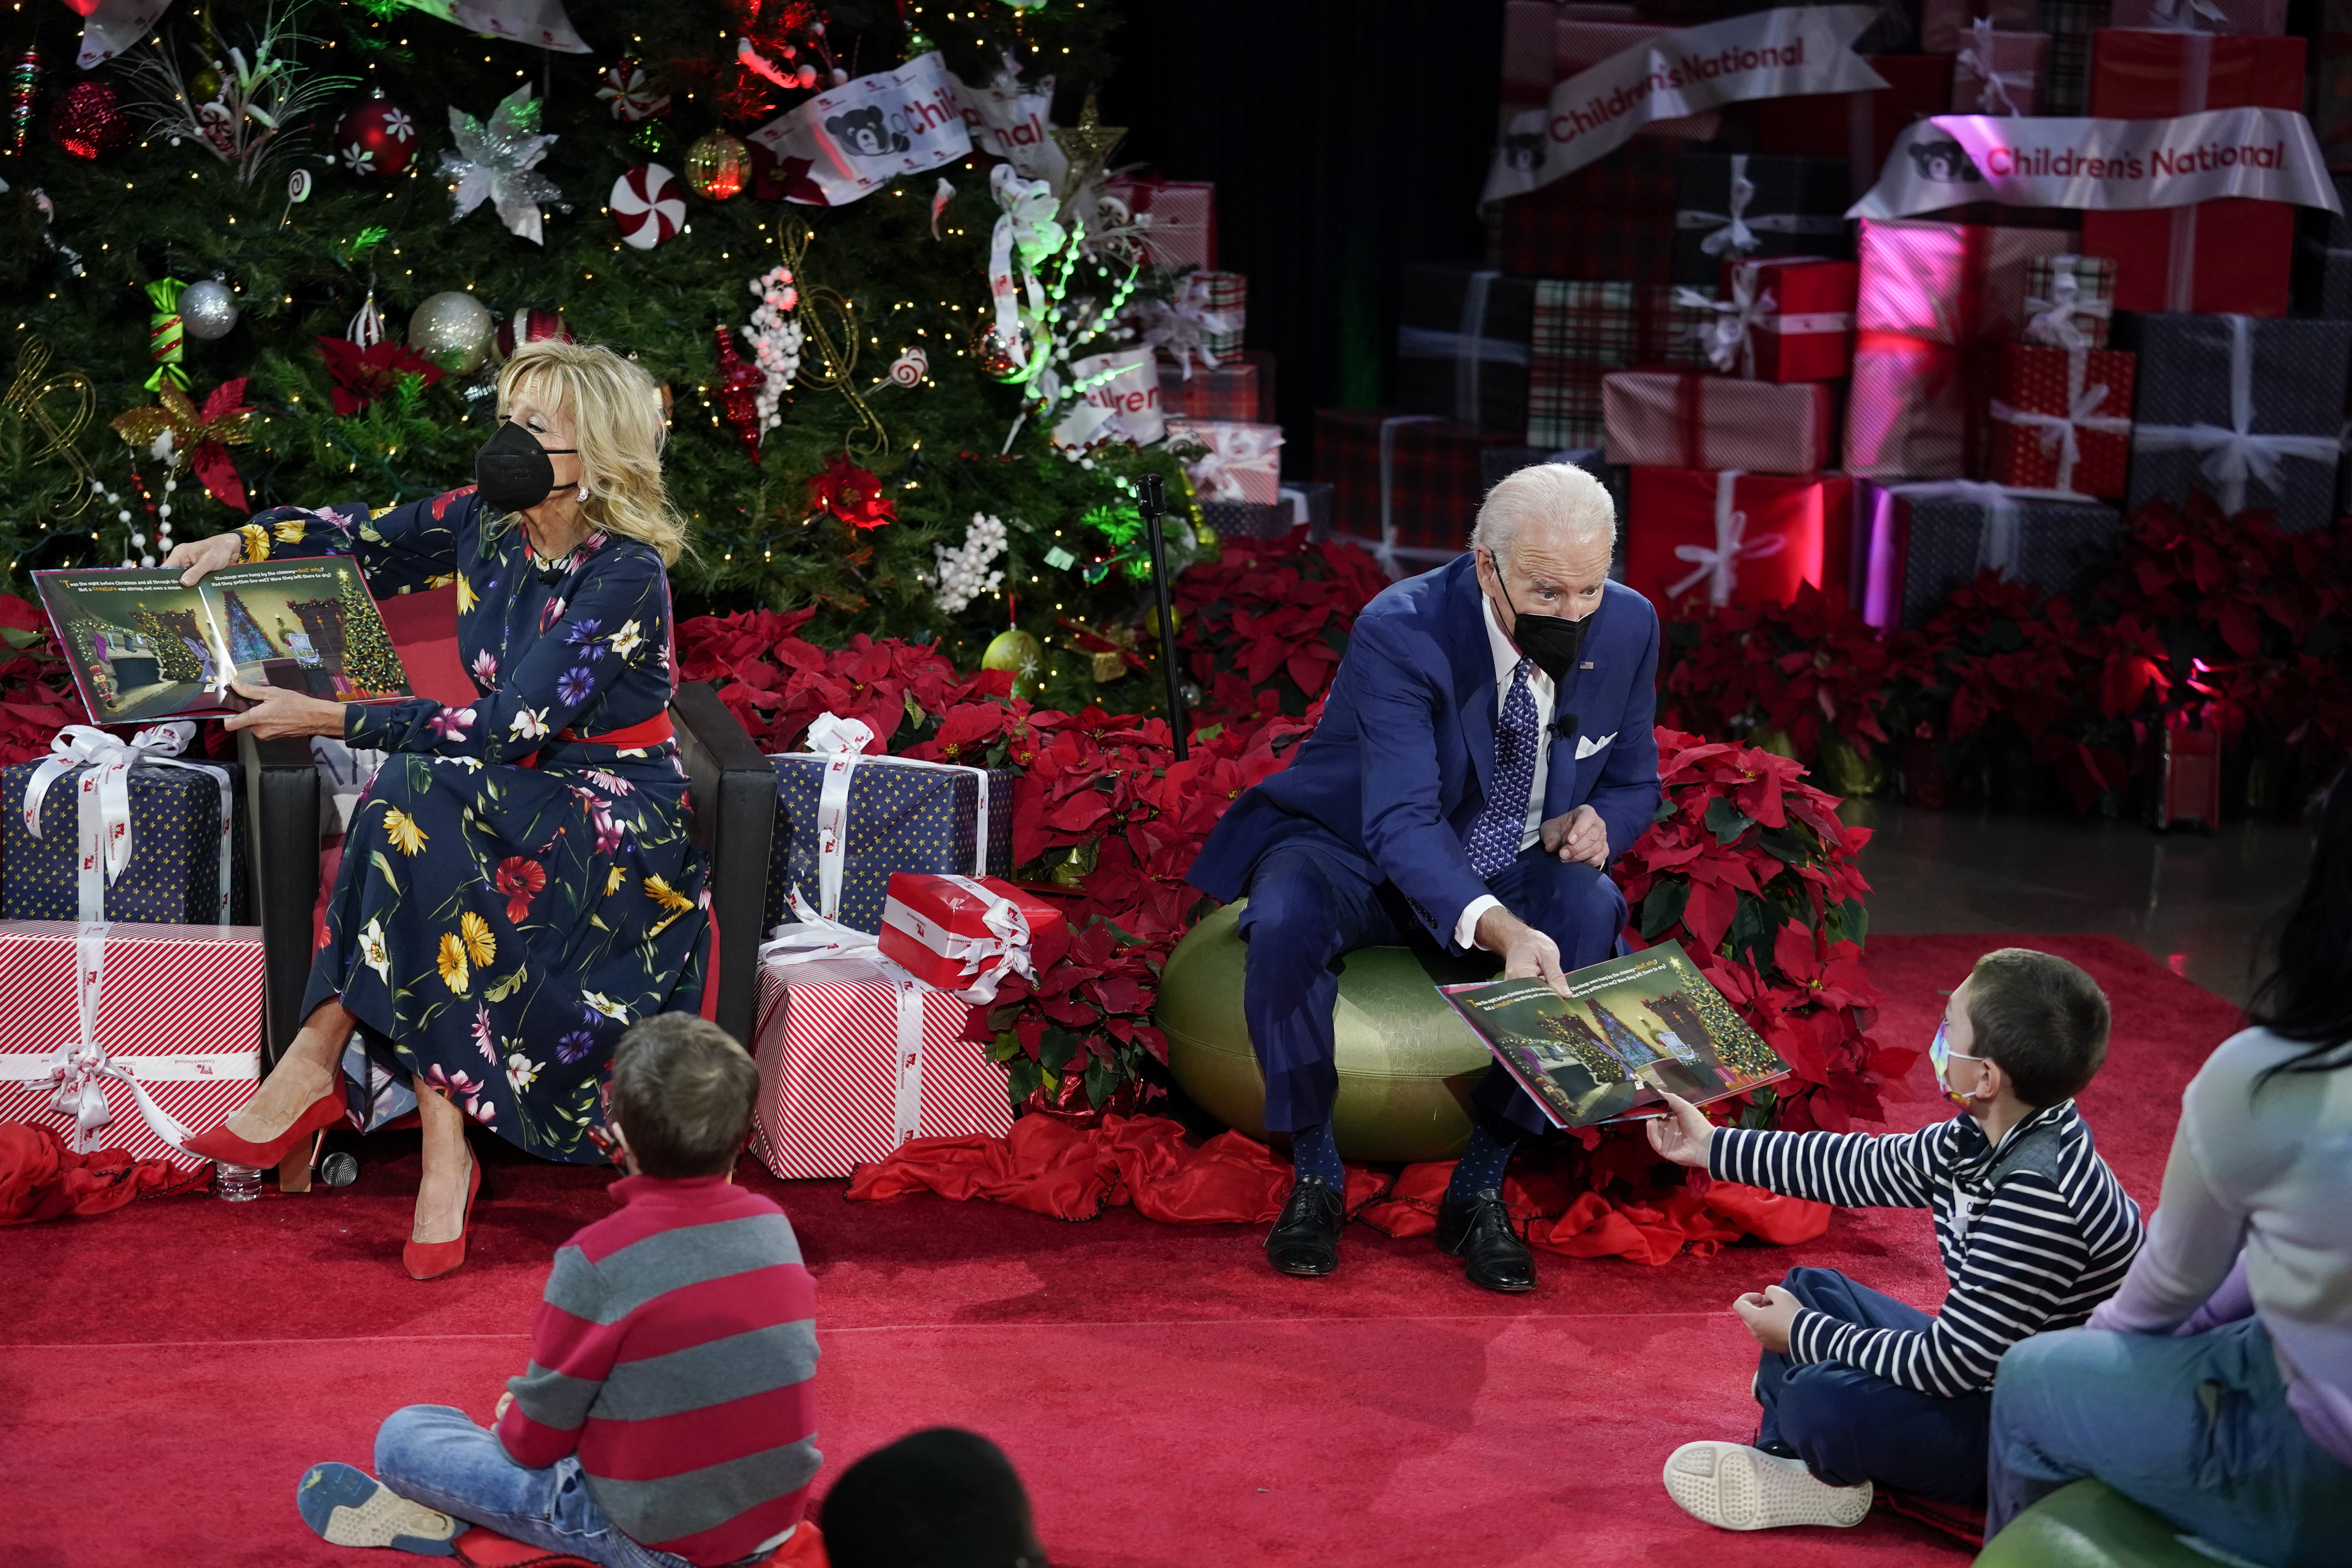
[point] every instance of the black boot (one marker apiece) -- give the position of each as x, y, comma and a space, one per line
1479, 1232
1305, 1240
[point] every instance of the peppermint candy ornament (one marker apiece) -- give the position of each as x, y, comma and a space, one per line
649, 205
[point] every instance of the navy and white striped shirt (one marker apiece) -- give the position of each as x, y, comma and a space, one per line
2034, 1234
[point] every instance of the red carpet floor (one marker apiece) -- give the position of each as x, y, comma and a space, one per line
166, 1372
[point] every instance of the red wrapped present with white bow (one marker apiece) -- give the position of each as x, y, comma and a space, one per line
129, 1036
2063, 419
1786, 318
857, 1055
1733, 538
1238, 461
1176, 219
965, 934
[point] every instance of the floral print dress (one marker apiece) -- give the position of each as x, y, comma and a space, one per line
513, 893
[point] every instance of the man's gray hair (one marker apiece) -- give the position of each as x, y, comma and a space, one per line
1556, 496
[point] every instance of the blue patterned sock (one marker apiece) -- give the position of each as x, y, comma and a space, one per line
1481, 1166
1314, 1153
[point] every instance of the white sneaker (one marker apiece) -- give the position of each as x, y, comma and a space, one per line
1733, 1487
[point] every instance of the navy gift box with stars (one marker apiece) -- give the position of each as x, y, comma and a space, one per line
902, 817
174, 875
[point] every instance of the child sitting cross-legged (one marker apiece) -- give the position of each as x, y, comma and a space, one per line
2035, 1231
666, 1419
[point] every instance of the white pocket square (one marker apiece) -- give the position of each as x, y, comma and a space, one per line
1586, 745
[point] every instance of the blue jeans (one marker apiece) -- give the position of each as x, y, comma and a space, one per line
435, 1455
2194, 1427
1850, 1426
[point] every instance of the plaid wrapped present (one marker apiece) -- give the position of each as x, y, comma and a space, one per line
1857, 129
2061, 419
1613, 219
1241, 387
2069, 301
1462, 345
1227, 296
1788, 318
1585, 330
2000, 73
2070, 24
1920, 541
1733, 538
2248, 411
894, 815
2202, 16
1944, 24
1687, 419
1730, 204
1178, 218
2323, 269
1405, 485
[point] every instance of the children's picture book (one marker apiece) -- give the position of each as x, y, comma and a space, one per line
1630, 1030
142, 646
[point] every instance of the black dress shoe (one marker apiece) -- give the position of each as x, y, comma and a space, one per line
1305, 1240
1479, 1233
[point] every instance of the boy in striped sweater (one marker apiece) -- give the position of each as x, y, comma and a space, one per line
667, 1417
2034, 1231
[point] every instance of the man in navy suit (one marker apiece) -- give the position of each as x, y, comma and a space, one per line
1485, 748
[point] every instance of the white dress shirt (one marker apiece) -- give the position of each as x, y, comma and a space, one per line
1539, 686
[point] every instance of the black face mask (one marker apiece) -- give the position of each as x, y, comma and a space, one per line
1552, 641
512, 469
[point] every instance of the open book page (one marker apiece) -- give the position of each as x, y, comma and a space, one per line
1630, 1029
142, 646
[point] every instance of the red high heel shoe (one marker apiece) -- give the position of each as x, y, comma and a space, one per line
228, 1149
431, 1259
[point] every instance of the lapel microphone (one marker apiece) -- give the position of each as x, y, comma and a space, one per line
1565, 726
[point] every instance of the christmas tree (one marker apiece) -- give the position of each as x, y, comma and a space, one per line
369, 661
363, 174
247, 642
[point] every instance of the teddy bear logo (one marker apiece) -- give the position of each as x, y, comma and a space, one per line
865, 133
1944, 162
1523, 150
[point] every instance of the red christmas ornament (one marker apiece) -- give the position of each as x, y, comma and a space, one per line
529, 325
377, 139
87, 121
739, 392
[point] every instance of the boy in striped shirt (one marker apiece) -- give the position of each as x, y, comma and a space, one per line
2034, 1230
667, 1417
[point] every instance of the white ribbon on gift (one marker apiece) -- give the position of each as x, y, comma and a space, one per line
1719, 567
1734, 233
103, 803
2057, 431
1181, 324
2052, 321
76, 1074
2184, 15
2229, 457
1998, 547
1232, 451
1025, 226
986, 960
813, 939
1729, 339
1992, 97
843, 743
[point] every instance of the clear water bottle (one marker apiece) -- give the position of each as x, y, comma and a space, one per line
235, 1184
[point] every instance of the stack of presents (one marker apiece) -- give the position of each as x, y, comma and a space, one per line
1780, 394
136, 985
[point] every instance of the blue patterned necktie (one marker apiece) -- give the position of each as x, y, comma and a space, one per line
1495, 841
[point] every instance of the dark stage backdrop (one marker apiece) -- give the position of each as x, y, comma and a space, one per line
1345, 141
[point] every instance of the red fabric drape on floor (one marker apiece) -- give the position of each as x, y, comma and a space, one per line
40, 1178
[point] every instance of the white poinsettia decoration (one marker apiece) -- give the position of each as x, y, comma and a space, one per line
496, 161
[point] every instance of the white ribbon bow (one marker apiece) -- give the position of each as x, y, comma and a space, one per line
104, 801
1726, 339
814, 939
1732, 233
1233, 449
1719, 567
80, 1072
2181, 16
1181, 324
986, 960
2229, 457
844, 742
1999, 546
2057, 431
1992, 97
2052, 321
1027, 227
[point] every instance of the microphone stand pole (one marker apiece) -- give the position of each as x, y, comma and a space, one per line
1154, 507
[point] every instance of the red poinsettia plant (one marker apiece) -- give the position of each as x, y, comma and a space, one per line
1261, 628
775, 683
37, 692
851, 493
1811, 671
361, 375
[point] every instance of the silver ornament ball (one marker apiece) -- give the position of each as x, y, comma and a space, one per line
453, 331
208, 309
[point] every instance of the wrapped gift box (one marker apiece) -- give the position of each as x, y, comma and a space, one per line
1236, 461
1944, 24
2069, 301
1797, 207
2323, 262
856, 1057
1583, 330
1462, 345
1545, 44
1920, 541
2061, 419
2331, 88
963, 935
1228, 299
1179, 219
1857, 129
1790, 319
178, 1032
2207, 381
2202, 16
903, 816
1731, 538
2000, 73
1613, 218
1308, 504
1686, 420
1240, 387
177, 839
1935, 300
2070, 24
1405, 484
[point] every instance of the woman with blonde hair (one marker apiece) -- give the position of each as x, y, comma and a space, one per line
517, 887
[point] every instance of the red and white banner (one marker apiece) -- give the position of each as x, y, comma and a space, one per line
863, 134
1766, 54
2104, 165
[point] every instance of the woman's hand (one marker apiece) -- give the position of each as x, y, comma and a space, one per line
206, 555
278, 713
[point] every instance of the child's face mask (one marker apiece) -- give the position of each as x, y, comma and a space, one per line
1940, 1055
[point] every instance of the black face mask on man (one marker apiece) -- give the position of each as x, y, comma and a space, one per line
512, 470
1552, 641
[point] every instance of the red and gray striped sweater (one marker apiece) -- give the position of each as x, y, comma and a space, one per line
674, 1353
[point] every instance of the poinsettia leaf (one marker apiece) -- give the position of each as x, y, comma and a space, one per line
1726, 821
1663, 908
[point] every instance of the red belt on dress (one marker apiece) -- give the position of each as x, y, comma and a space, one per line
650, 732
